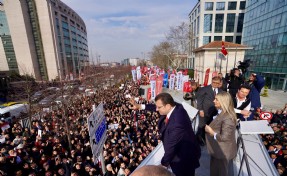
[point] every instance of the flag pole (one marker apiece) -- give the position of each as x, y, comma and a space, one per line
220, 64
226, 62
235, 58
215, 61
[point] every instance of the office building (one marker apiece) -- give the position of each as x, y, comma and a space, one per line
215, 20
7, 54
49, 38
265, 29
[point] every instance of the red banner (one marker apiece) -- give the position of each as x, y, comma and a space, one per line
159, 82
206, 77
187, 86
148, 94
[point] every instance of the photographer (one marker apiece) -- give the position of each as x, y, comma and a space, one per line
256, 82
193, 94
235, 79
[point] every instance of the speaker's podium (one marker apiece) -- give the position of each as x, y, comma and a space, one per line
252, 151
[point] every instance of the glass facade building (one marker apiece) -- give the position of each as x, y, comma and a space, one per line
49, 38
265, 29
7, 43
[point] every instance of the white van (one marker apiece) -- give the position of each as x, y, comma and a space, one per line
13, 111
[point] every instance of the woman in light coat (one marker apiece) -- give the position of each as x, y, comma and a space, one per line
220, 136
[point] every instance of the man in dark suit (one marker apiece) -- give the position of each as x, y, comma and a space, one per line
182, 151
205, 105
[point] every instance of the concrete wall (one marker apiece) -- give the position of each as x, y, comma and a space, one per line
206, 59
45, 15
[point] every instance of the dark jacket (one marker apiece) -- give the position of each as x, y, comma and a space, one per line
182, 151
205, 98
254, 94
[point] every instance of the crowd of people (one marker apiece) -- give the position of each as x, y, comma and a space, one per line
44, 149
276, 144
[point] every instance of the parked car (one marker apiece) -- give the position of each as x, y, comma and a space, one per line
61, 98
47, 101
37, 96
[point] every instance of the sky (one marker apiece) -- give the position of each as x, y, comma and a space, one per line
119, 29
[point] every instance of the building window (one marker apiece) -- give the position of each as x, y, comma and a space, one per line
198, 9
232, 5
242, 5
197, 30
219, 22
240, 22
238, 40
220, 6
206, 40
209, 6
207, 23
230, 22
229, 38
217, 38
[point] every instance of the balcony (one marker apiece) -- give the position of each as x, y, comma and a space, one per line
259, 162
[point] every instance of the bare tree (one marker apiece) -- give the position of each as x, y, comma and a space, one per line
172, 52
161, 55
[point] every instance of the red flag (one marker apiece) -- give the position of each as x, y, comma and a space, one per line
223, 50
206, 77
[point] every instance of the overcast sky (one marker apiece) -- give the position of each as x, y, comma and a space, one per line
119, 29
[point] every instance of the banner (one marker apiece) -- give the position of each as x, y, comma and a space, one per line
171, 81
134, 74
183, 80
139, 75
187, 87
206, 77
179, 80
153, 86
165, 80
148, 94
159, 82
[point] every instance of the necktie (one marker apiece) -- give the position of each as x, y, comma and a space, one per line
166, 120
214, 92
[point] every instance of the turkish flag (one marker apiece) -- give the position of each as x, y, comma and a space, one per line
223, 50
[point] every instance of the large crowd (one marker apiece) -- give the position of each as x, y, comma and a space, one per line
276, 144
44, 148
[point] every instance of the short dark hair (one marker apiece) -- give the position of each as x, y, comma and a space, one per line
245, 86
166, 98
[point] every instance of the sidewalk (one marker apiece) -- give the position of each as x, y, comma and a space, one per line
275, 100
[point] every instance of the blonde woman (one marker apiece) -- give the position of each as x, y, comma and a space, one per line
220, 136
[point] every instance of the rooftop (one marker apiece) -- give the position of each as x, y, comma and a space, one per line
218, 44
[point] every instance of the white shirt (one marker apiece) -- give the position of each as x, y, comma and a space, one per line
239, 103
168, 114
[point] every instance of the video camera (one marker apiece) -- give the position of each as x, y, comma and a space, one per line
243, 65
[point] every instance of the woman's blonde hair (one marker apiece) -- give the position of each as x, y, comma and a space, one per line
226, 104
